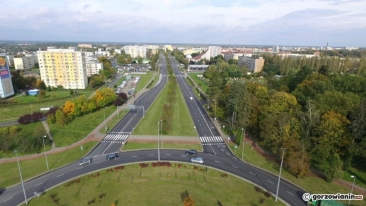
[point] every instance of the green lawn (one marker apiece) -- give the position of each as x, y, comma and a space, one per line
13, 112
144, 80
309, 183
78, 128
52, 95
9, 173
161, 185
183, 146
182, 125
199, 82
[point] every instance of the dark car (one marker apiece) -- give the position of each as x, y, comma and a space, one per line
112, 156
191, 152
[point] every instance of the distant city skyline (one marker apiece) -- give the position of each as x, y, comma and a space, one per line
253, 22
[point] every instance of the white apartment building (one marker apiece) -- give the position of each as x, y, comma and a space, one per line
154, 48
136, 51
93, 67
214, 51
65, 67
26, 62
102, 53
118, 51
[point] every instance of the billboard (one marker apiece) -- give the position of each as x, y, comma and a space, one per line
6, 86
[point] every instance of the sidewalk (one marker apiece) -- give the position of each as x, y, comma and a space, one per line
95, 135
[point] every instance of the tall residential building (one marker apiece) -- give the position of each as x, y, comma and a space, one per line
6, 85
65, 67
26, 62
254, 65
136, 51
214, 51
93, 67
154, 48
168, 47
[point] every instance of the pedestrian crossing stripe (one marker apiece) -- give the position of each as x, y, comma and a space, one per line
212, 140
116, 137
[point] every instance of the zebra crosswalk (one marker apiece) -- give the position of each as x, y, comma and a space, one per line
212, 140
116, 137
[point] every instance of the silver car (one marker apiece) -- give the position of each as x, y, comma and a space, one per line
197, 160
85, 161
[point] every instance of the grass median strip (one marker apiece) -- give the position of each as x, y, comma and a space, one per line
114, 121
199, 82
9, 174
154, 184
144, 80
182, 124
150, 145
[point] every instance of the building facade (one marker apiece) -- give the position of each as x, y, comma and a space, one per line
65, 67
214, 51
93, 67
85, 45
136, 51
253, 65
6, 85
27, 62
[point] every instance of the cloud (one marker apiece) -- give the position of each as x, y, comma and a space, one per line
205, 21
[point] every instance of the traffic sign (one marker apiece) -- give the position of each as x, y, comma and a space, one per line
131, 106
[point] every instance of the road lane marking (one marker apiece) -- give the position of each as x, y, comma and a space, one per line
235, 167
133, 156
167, 154
8, 199
227, 153
217, 161
37, 185
270, 181
290, 193
252, 173
235, 158
60, 175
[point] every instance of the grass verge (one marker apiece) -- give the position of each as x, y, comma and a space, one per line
79, 128
182, 125
144, 80
183, 146
9, 173
199, 82
159, 185
309, 183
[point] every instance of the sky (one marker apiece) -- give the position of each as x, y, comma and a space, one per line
246, 22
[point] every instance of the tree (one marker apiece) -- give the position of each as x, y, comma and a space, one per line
118, 102
71, 92
188, 201
69, 108
61, 118
41, 94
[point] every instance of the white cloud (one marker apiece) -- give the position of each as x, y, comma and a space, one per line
233, 21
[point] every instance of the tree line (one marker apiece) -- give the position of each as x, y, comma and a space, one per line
317, 114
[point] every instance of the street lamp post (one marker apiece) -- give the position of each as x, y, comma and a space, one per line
117, 112
45, 153
161, 132
21, 178
158, 142
215, 109
279, 177
242, 151
354, 179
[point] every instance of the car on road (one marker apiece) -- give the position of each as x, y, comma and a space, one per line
85, 161
191, 152
197, 160
112, 156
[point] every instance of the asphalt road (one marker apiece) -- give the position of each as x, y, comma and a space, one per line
215, 154
119, 134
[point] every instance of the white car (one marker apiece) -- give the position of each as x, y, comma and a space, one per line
85, 161
197, 160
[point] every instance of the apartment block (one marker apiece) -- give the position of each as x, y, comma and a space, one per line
6, 85
27, 62
65, 67
93, 67
136, 51
214, 51
85, 45
253, 65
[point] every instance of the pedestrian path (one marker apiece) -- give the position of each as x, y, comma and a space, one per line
212, 140
116, 137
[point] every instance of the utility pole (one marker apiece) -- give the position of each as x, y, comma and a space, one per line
242, 151
45, 153
161, 132
158, 142
21, 178
279, 176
